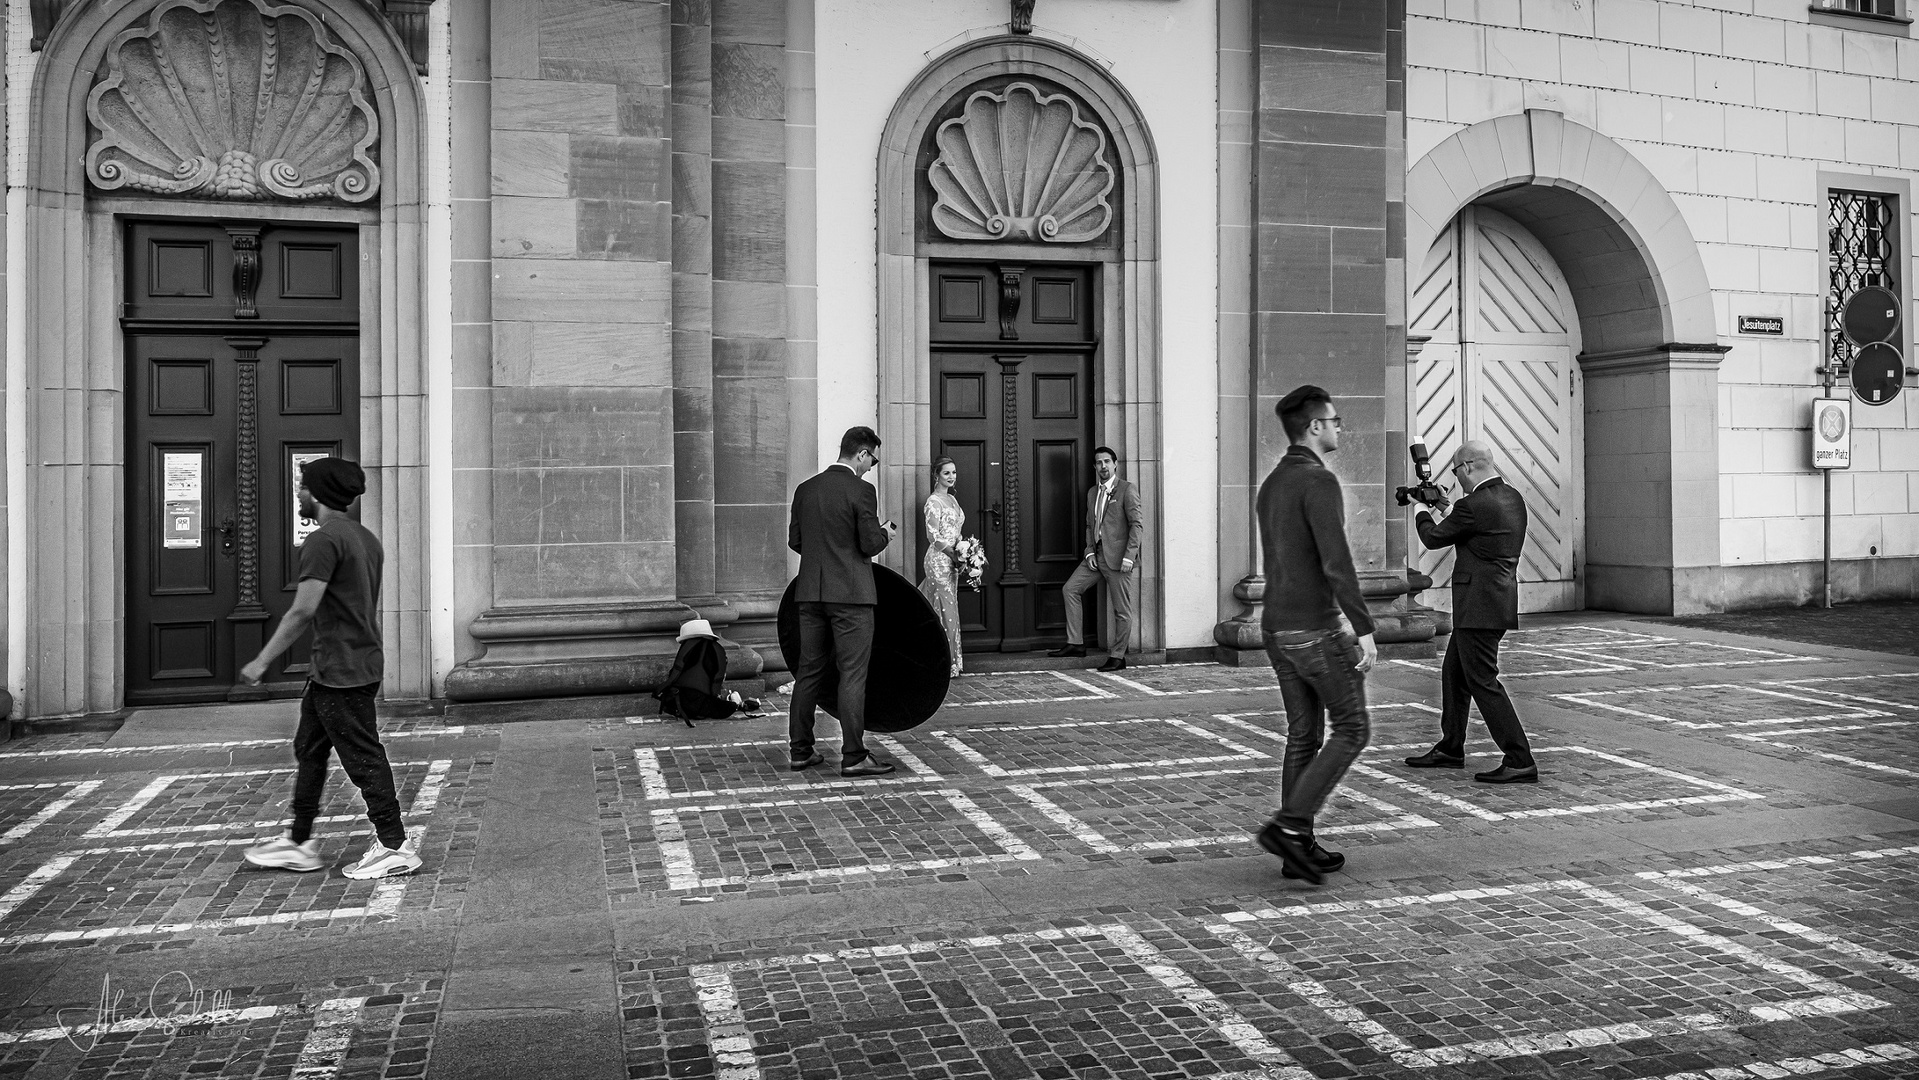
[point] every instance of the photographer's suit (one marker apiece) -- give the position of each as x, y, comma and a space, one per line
835, 526
1487, 530
1114, 531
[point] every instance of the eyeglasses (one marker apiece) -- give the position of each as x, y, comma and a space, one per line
1338, 424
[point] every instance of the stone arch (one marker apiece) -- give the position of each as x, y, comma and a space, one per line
75, 375
1650, 353
1127, 374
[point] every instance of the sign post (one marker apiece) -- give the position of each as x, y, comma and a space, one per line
1831, 449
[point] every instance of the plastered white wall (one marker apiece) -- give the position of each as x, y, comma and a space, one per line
1735, 106
1163, 52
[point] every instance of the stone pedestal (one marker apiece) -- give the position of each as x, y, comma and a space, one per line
553, 652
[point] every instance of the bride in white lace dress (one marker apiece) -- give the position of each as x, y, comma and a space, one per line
944, 519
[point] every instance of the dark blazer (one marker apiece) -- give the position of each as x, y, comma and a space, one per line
1486, 530
1117, 536
835, 526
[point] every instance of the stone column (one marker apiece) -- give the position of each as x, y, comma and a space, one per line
750, 357
1329, 304
1652, 479
584, 569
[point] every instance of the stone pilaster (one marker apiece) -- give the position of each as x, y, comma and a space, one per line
1328, 303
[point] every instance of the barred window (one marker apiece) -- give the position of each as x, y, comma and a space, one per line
1861, 250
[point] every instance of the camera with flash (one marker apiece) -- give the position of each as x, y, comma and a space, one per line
1425, 491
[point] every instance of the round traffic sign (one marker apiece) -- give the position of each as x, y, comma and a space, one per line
1869, 315
1877, 373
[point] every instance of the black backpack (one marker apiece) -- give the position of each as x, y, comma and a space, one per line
695, 686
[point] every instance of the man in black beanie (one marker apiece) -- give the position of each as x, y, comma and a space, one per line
339, 596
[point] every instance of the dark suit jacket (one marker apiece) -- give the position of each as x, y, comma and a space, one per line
835, 526
1486, 530
1116, 536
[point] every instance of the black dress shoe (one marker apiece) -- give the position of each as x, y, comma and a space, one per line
1506, 774
1327, 861
1433, 759
867, 766
1069, 650
1114, 663
1292, 853
796, 764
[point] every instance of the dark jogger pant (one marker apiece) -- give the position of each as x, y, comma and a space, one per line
341, 718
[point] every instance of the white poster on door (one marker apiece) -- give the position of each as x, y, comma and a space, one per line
303, 526
181, 476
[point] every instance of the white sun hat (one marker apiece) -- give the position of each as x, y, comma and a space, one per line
697, 628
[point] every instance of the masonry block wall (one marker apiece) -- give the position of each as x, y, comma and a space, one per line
1736, 108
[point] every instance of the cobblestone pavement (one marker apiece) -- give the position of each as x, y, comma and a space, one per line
1718, 877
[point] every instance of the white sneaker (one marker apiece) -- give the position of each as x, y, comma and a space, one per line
282, 853
381, 861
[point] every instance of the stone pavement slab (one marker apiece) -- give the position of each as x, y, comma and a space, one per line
1718, 877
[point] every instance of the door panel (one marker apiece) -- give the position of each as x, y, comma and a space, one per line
220, 409
1500, 367
1013, 409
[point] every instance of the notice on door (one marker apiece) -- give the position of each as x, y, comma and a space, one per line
182, 477
303, 527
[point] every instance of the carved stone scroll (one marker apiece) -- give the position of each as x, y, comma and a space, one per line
246, 270
233, 99
1021, 165
1009, 279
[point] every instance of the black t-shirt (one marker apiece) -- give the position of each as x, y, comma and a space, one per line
346, 628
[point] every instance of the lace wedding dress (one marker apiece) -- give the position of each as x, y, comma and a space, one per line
944, 519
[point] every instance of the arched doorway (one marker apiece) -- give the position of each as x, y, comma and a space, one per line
1648, 352
266, 189
1500, 368
1017, 334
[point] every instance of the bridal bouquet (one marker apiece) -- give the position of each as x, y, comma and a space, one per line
969, 558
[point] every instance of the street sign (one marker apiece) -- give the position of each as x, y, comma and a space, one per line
1770, 325
1869, 315
1831, 433
1877, 373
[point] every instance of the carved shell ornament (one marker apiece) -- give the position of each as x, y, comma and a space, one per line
1021, 165
233, 99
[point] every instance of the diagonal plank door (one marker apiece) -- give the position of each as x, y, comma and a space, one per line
1501, 368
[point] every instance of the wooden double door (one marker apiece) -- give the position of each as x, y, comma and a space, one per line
1012, 351
243, 356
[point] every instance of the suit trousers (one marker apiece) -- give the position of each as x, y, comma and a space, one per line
1319, 681
843, 632
1119, 586
1471, 674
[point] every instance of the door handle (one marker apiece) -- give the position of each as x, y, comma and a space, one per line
994, 510
226, 537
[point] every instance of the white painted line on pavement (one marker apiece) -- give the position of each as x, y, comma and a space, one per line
211, 1018
34, 882
732, 1041
1784, 925
1588, 697
1082, 684
78, 790
978, 760
676, 851
653, 785
1113, 676
231, 744
326, 1046
1849, 1058
424, 803
1828, 755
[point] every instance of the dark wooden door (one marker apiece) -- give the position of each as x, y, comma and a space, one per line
1012, 356
243, 360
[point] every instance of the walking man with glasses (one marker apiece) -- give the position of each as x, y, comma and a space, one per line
1310, 581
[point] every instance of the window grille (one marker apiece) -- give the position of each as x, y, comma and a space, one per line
1860, 251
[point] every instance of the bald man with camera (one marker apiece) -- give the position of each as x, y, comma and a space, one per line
1486, 530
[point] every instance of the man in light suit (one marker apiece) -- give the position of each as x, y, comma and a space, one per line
836, 528
1114, 530
1486, 529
